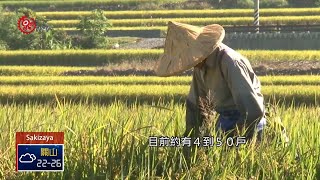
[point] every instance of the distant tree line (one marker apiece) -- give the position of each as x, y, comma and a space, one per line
91, 36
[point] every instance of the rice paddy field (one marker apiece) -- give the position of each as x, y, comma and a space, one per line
157, 19
101, 57
70, 4
111, 142
288, 20
107, 120
184, 13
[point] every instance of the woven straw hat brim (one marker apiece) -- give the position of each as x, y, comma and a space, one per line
186, 46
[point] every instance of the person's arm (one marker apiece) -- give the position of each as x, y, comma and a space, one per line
244, 95
194, 118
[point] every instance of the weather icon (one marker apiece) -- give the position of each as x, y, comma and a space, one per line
27, 158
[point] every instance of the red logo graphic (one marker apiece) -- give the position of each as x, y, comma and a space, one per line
26, 25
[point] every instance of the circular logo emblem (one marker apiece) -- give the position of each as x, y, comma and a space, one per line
26, 25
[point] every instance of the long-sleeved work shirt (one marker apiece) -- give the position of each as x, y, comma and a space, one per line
234, 89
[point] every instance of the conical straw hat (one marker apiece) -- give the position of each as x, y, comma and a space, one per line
186, 46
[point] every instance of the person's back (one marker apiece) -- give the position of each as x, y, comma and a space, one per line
234, 89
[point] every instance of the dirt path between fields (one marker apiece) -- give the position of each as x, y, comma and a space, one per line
145, 69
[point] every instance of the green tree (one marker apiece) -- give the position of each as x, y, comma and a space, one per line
215, 3
10, 34
12, 38
93, 30
231, 3
3, 44
304, 3
248, 3
273, 3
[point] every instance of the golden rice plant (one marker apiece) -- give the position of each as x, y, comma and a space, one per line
55, 79
112, 142
299, 94
186, 13
198, 21
101, 57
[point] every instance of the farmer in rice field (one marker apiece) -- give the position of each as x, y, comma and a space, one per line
220, 72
